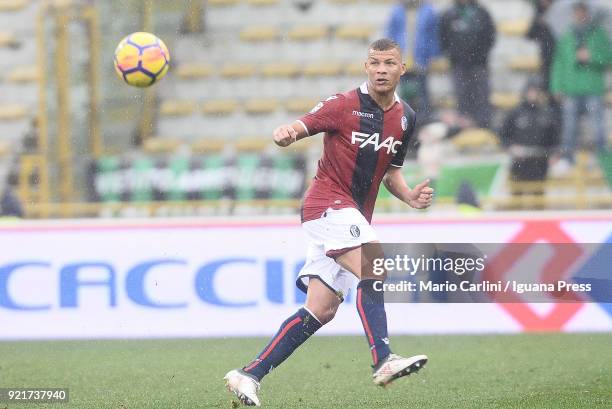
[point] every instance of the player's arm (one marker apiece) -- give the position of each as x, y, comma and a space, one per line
419, 197
285, 135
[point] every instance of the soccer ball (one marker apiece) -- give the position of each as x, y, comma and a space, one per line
141, 59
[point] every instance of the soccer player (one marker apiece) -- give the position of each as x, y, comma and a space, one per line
367, 131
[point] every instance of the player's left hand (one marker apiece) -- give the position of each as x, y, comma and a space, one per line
421, 195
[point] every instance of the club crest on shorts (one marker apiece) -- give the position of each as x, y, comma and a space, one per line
355, 231
404, 123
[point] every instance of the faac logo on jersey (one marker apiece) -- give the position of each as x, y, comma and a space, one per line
363, 139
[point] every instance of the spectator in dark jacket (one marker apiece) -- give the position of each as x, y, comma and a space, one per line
531, 132
467, 34
541, 32
10, 205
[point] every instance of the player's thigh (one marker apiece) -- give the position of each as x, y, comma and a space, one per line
359, 260
321, 300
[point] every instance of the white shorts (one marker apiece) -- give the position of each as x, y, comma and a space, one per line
335, 232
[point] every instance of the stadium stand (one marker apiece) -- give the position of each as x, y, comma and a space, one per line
238, 78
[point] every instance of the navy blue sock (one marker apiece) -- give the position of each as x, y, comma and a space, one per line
291, 334
371, 308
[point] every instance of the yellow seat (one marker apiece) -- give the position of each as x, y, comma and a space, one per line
157, 145
237, 70
505, 100
300, 105
259, 34
514, 28
439, 66
359, 32
8, 40
9, 112
222, 3
193, 71
475, 138
307, 33
177, 108
262, 3
354, 69
260, 106
13, 5
446, 102
280, 70
321, 69
254, 144
343, 2
609, 98
23, 74
526, 64
208, 145
219, 107
5, 147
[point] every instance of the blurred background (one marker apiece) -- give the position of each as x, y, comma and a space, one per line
499, 129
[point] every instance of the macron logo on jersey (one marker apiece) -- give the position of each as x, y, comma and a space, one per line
363, 139
363, 114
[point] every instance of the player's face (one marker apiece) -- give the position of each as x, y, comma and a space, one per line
384, 69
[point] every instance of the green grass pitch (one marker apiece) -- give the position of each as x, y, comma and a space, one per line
493, 371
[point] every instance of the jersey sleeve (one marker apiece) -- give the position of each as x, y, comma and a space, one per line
326, 116
398, 158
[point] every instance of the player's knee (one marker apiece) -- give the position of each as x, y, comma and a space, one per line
323, 314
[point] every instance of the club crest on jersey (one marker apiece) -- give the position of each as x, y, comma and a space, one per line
363, 139
404, 123
355, 231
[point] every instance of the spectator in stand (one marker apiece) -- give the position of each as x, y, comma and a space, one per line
530, 132
467, 34
541, 32
10, 205
578, 73
413, 25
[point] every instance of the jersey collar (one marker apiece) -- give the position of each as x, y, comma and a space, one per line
364, 90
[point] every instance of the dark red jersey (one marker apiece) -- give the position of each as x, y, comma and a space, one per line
361, 142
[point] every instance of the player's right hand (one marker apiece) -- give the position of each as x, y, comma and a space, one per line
284, 135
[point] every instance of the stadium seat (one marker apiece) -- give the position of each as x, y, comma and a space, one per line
257, 34
322, 69
307, 33
475, 139
358, 32
237, 70
343, 2
300, 105
8, 40
505, 100
160, 145
529, 64
222, 3
205, 145
252, 144
5, 147
353, 69
439, 66
262, 3
445, 102
260, 106
609, 98
219, 107
23, 74
177, 108
280, 70
513, 28
13, 5
193, 71
9, 112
